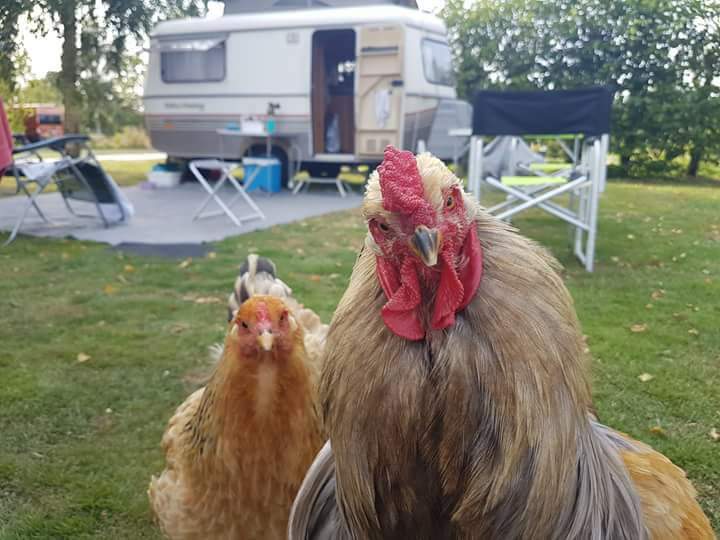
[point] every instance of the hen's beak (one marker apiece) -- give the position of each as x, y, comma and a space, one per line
265, 340
426, 243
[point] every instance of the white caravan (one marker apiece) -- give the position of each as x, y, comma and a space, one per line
341, 83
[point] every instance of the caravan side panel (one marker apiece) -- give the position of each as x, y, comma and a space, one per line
431, 106
260, 67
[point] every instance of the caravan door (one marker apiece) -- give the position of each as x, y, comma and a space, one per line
380, 89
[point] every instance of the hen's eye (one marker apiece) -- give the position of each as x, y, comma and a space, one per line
282, 317
383, 227
244, 325
450, 202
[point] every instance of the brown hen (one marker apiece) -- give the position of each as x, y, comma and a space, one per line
237, 450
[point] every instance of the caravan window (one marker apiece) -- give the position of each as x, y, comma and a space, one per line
200, 60
437, 62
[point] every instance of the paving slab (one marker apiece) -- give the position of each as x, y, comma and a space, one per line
164, 216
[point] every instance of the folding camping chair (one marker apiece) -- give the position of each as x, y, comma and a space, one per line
78, 176
582, 114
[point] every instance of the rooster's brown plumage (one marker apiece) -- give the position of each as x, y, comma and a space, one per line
467, 417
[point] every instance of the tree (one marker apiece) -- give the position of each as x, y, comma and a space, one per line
41, 90
10, 12
111, 24
660, 57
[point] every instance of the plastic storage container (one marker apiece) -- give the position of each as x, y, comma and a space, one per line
164, 176
267, 178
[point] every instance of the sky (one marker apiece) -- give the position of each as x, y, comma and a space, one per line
44, 52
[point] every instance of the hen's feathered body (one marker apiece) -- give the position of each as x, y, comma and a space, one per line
479, 430
237, 450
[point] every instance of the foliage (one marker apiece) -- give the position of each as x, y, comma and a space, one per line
10, 51
96, 36
660, 57
16, 115
130, 137
41, 90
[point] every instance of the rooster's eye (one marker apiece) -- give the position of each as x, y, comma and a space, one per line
450, 202
244, 325
384, 227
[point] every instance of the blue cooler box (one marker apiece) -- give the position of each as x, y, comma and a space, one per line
267, 178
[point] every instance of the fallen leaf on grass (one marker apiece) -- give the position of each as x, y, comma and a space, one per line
187, 262
656, 295
65, 256
646, 377
693, 332
314, 277
82, 358
122, 279
637, 328
207, 300
631, 237
129, 268
109, 289
657, 430
714, 434
648, 306
211, 255
178, 328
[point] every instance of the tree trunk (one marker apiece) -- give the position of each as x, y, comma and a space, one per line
69, 70
696, 155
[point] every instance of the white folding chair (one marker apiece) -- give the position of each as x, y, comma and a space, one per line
585, 113
225, 168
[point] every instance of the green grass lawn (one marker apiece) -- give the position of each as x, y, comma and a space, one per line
79, 440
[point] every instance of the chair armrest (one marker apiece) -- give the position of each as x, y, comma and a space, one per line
56, 143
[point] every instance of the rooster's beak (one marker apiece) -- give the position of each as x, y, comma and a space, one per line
265, 339
426, 243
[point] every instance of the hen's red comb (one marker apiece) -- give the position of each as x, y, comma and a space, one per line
402, 187
262, 314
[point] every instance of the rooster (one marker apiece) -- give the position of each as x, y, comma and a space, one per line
237, 450
456, 394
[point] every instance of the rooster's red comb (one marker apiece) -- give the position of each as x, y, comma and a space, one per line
402, 187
